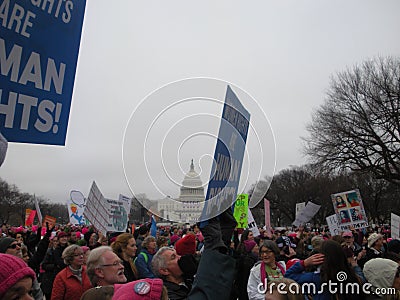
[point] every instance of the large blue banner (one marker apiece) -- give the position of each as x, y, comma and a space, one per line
39, 45
228, 157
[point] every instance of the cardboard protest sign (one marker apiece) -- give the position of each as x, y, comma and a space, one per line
118, 213
306, 214
29, 216
252, 225
228, 158
39, 213
267, 212
96, 210
76, 207
107, 214
39, 45
299, 207
395, 226
241, 210
333, 225
349, 209
49, 219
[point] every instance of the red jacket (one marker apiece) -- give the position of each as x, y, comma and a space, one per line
67, 286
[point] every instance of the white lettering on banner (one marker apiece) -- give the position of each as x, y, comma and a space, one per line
32, 71
235, 118
227, 169
219, 197
16, 18
55, 11
44, 123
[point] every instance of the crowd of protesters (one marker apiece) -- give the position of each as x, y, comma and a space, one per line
215, 262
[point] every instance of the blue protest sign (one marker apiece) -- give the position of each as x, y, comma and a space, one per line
39, 46
228, 158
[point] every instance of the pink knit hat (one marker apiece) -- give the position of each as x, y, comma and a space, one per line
13, 269
144, 289
249, 245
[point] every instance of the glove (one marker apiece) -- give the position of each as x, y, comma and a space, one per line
188, 265
228, 224
213, 236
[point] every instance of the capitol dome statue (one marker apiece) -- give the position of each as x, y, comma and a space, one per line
188, 206
192, 188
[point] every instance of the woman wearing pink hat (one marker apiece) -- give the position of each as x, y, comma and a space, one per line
16, 278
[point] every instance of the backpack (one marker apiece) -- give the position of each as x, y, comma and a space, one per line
146, 258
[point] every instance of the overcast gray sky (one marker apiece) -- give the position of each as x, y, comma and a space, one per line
282, 53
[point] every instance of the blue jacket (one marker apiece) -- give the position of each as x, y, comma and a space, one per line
296, 273
143, 264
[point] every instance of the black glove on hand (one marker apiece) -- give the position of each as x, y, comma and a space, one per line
48, 230
228, 225
188, 265
213, 236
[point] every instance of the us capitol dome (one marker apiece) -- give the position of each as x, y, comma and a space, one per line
188, 207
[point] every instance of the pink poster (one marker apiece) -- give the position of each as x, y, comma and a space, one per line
267, 216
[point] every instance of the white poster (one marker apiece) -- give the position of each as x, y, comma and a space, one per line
251, 224
76, 207
96, 210
299, 207
306, 214
333, 224
38, 212
395, 226
107, 214
119, 213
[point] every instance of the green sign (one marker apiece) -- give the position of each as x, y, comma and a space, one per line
241, 210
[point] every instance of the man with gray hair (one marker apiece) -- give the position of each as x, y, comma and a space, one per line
216, 270
104, 267
168, 265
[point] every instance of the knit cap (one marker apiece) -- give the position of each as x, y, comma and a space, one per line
144, 289
5, 242
186, 245
99, 293
380, 272
373, 238
174, 238
249, 245
13, 269
394, 246
291, 262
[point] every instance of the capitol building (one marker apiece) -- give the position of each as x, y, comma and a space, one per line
188, 207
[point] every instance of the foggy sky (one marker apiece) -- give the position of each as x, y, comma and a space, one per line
282, 53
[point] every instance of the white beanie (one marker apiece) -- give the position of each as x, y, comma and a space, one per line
380, 272
373, 238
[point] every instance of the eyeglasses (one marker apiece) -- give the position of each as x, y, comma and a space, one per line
114, 264
266, 252
13, 246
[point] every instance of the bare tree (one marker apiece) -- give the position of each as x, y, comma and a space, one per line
358, 126
8, 193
